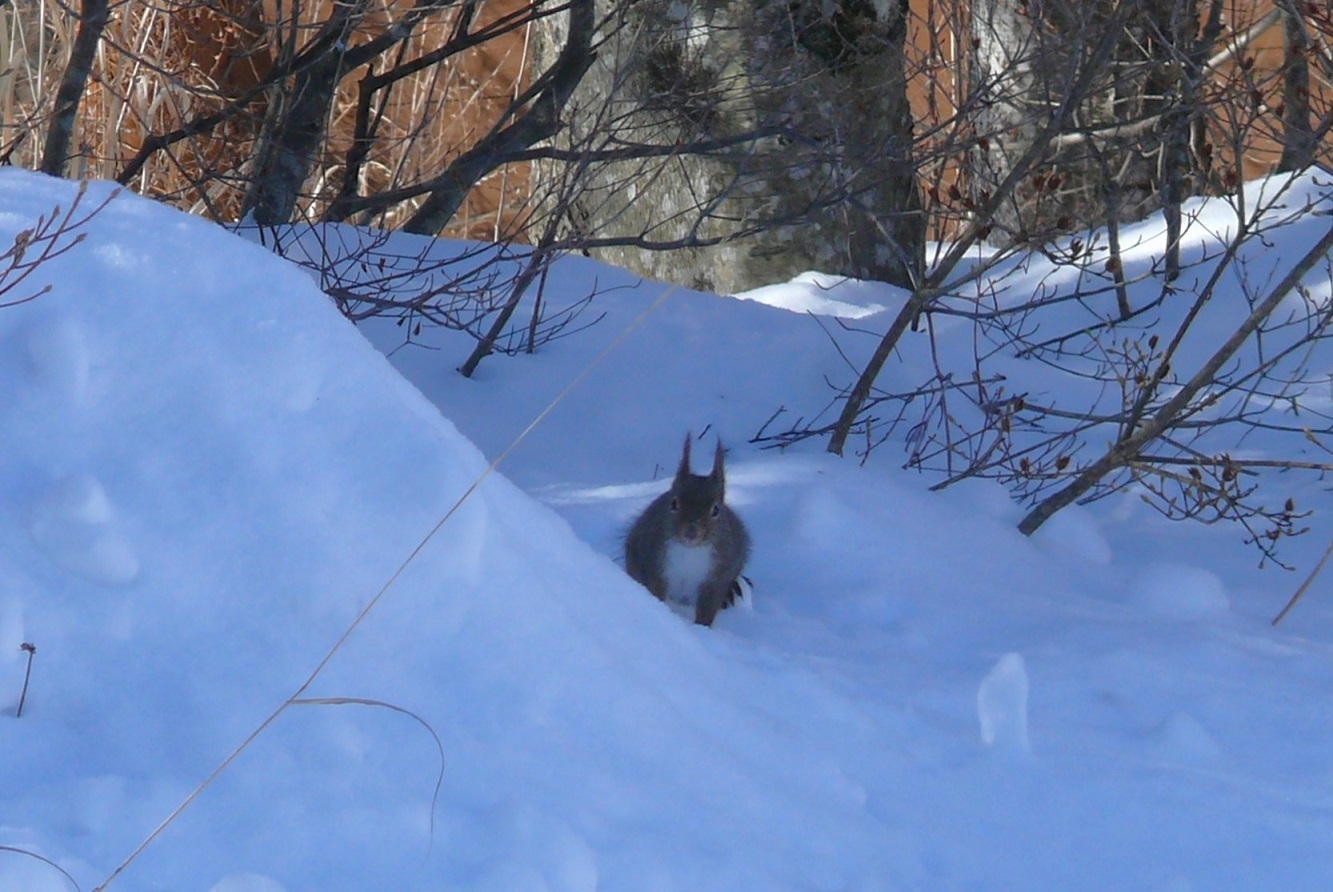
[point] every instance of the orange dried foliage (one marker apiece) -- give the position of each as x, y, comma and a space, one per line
161, 66
165, 64
1243, 95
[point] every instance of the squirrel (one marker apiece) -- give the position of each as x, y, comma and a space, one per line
687, 547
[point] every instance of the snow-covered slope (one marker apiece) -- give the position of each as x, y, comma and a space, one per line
208, 474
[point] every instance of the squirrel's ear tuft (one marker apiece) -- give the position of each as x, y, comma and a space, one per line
718, 473
684, 469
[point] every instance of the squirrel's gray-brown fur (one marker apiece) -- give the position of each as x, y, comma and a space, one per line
688, 547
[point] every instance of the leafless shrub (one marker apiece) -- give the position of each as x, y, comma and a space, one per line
50, 236
472, 287
1023, 151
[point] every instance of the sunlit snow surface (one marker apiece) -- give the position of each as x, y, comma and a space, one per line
208, 474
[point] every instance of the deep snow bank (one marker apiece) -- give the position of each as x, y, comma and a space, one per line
207, 473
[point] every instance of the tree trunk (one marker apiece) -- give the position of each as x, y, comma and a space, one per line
92, 22
810, 100
1298, 141
1001, 75
289, 149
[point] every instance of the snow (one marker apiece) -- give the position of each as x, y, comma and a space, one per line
1002, 705
73, 523
822, 295
209, 475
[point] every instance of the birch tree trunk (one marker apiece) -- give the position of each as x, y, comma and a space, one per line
759, 139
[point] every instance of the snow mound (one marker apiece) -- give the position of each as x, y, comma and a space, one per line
1181, 591
247, 882
216, 473
821, 294
1002, 705
209, 474
73, 523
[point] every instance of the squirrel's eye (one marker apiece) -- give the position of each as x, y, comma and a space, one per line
717, 509
675, 504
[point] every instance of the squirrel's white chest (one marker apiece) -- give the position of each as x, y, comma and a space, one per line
685, 568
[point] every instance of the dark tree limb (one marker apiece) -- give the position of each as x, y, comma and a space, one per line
382, 83
1298, 138
346, 206
156, 142
92, 22
537, 263
546, 101
311, 54
286, 156
1191, 58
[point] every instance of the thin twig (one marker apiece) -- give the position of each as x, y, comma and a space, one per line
1306, 584
45, 860
31, 651
363, 701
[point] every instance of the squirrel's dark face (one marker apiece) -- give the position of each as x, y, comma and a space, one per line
696, 504
696, 499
